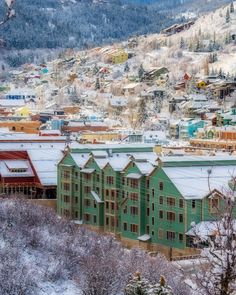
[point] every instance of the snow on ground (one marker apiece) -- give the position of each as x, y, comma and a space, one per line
64, 288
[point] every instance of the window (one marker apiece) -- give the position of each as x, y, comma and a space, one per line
161, 186
125, 210
110, 180
170, 235
170, 216
76, 214
153, 221
134, 183
193, 204
134, 197
123, 180
76, 187
107, 220
153, 192
123, 194
160, 234
86, 202
87, 189
76, 200
66, 174
152, 232
161, 214
107, 205
113, 194
133, 210
147, 183
66, 213
148, 197
94, 204
112, 206
66, 199
153, 207
181, 218
147, 229
134, 228
181, 203
107, 193
66, 186
125, 226
87, 217
181, 238
148, 211
170, 201
76, 174
94, 219
161, 200
214, 205
97, 177
87, 176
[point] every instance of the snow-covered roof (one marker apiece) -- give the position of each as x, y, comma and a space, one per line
87, 170
144, 238
10, 103
80, 159
134, 175
205, 229
96, 197
118, 163
45, 163
7, 166
192, 182
102, 154
145, 167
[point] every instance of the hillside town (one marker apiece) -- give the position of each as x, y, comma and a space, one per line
135, 140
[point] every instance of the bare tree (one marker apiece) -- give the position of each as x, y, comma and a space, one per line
217, 275
10, 12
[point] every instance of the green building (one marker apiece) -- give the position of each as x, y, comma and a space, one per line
143, 199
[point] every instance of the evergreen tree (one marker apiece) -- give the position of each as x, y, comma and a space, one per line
126, 69
137, 286
160, 289
95, 69
97, 84
141, 72
227, 18
182, 43
232, 7
142, 112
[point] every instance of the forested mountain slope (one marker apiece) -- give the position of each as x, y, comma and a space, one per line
85, 23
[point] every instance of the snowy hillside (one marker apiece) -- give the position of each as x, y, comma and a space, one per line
189, 50
42, 254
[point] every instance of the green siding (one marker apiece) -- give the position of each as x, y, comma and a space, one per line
119, 206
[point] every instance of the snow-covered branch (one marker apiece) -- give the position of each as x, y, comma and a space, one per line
10, 12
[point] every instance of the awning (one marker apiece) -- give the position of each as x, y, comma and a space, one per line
96, 197
134, 175
144, 238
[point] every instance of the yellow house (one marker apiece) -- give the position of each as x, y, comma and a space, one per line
119, 56
101, 136
22, 112
201, 84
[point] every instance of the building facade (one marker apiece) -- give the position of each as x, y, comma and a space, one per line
142, 199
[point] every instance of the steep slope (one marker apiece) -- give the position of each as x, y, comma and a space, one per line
51, 24
83, 23
191, 50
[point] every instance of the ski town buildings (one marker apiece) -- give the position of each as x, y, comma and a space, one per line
143, 199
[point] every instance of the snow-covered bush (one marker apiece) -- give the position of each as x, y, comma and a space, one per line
36, 246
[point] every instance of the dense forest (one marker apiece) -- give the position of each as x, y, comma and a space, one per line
52, 24
85, 23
